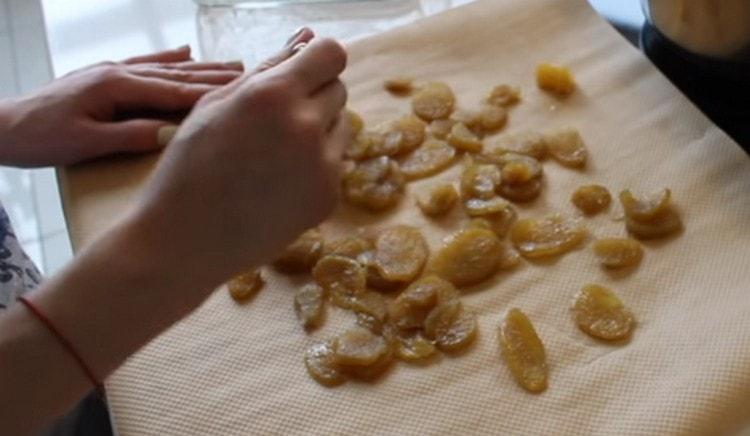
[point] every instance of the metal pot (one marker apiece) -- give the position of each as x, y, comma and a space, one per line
713, 28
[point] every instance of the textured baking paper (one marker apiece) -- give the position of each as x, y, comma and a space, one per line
237, 370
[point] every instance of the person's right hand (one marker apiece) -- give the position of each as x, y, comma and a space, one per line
254, 165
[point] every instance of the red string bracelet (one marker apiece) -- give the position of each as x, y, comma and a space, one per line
65, 343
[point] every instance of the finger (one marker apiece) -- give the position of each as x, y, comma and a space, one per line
209, 77
150, 93
133, 136
193, 66
338, 138
329, 101
301, 36
174, 55
319, 63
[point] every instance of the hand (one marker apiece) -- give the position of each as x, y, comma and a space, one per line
255, 164
112, 107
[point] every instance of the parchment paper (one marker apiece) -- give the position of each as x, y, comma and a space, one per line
237, 370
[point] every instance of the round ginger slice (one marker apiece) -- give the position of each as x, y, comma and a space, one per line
358, 347
618, 252
412, 131
308, 305
649, 208
461, 138
599, 313
480, 181
504, 96
302, 254
476, 207
245, 285
499, 221
468, 257
414, 347
435, 100
450, 326
321, 366
439, 200
528, 143
521, 193
355, 122
492, 118
547, 236
374, 184
431, 158
411, 307
440, 128
399, 86
659, 227
371, 309
519, 169
567, 147
342, 277
458, 335
591, 199
523, 351
400, 253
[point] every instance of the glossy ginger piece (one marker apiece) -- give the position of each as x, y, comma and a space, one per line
651, 217
400, 253
431, 158
591, 199
374, 184
414, 304
503, 96
358, 347
524, 142
320, 364
468, 257
356, 124
618, 252
414, 347
302, 254
462, 138
450, 326
400, 86
245, 285
309, 305
599, 313
479, 181
440, 129
551, 235
523, 351
492, 118
439, 200
555, 79
342, 277
567, 147
434, 100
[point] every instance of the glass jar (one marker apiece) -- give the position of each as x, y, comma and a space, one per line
256, 29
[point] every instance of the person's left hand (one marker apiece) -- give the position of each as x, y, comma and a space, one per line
112, 107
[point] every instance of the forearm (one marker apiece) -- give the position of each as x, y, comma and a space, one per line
109, 302
6, 122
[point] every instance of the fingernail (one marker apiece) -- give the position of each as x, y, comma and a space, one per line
183, 47
235, 64
165, 134
298, 47
295, 35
